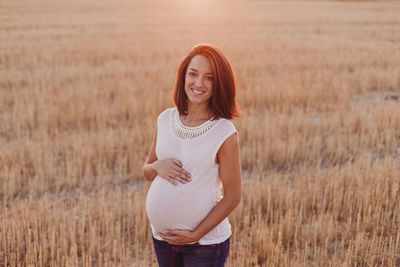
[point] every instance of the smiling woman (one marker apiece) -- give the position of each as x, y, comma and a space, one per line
198, 80
205, 68
194, 156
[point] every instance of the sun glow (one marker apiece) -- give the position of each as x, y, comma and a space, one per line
199, 6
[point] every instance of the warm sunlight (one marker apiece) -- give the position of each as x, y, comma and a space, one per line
199, 7
89, 126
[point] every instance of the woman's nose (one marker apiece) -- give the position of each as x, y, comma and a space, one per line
199, 82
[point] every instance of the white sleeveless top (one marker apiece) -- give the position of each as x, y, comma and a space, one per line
184, 206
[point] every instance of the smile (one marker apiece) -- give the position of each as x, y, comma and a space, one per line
197, 92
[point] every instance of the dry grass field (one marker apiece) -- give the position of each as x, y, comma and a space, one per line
82, 83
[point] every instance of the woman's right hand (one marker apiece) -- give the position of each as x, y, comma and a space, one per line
172, 171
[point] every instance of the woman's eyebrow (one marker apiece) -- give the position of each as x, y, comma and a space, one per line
198, 71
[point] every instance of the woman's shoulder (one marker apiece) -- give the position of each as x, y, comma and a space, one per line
165, 115
166, 112
226, 122
226, 125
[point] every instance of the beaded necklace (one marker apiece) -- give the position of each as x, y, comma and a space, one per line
184, 132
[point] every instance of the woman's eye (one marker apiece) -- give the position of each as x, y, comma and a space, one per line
210, 78
191, 73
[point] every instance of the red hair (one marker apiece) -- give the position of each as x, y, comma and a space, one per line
223, 100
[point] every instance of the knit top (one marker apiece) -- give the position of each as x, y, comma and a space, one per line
184, 206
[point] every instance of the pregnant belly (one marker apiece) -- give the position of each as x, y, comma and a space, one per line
177, 207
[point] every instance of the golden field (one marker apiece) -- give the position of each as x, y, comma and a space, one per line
82, 83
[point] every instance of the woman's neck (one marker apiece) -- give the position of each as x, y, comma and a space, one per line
196, 112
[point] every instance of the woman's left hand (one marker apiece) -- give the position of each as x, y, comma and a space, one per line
179, 237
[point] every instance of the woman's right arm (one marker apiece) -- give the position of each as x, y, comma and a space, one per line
169, 169
148, 168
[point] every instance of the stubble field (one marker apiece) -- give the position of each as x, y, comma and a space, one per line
82, 83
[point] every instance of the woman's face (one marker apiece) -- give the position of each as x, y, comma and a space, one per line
199, 80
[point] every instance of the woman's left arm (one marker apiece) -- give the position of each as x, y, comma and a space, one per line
231, 177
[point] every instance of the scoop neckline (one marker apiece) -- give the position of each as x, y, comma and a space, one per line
191, 127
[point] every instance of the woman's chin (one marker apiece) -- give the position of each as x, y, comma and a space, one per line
197, 100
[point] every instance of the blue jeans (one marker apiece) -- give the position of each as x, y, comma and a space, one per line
192, 255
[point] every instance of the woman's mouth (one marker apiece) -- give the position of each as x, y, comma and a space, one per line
197, 92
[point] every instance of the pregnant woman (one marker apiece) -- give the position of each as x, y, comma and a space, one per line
194, 164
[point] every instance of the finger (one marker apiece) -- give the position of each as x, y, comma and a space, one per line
185, 171
172, 181
187, 175
174, 241
163, 236
170, 232
177, 178
184, 174
177, 162
176, 173
168, 239
169, 236
178, 237
173, 234
181, 176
